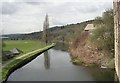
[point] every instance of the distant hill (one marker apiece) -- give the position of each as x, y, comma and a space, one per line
56, 34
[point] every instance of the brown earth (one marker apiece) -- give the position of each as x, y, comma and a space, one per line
86, 53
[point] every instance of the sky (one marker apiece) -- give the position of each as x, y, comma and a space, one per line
26, 16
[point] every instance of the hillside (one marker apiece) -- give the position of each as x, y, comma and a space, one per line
96, 47
64, 34
87, 54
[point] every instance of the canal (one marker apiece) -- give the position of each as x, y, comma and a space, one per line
55, 65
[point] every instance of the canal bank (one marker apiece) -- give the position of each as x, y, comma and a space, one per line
6, 71
55, 65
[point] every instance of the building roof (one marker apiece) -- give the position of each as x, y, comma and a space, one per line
16, 51
89, 27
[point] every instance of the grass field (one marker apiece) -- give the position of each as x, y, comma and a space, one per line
24, 45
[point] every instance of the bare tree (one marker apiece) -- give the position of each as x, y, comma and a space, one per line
45, 31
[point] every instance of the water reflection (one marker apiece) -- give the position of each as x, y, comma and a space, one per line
61, 46
46, 60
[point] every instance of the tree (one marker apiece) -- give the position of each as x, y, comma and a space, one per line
97, 21
103, 36
45, 31
108, 18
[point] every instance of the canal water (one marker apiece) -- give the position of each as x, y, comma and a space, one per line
55, 65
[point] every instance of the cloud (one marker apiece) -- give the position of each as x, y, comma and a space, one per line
28, 15
9, 8
33, 3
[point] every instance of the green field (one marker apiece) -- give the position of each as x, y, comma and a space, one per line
23, 45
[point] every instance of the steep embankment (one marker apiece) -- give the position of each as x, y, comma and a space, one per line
87, 54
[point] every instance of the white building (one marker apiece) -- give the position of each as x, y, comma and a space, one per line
89, 27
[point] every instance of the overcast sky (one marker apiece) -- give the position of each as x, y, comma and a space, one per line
28, 15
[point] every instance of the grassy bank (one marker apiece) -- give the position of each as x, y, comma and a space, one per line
7, 68
24, 45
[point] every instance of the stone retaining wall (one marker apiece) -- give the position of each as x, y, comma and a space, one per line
116, 7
